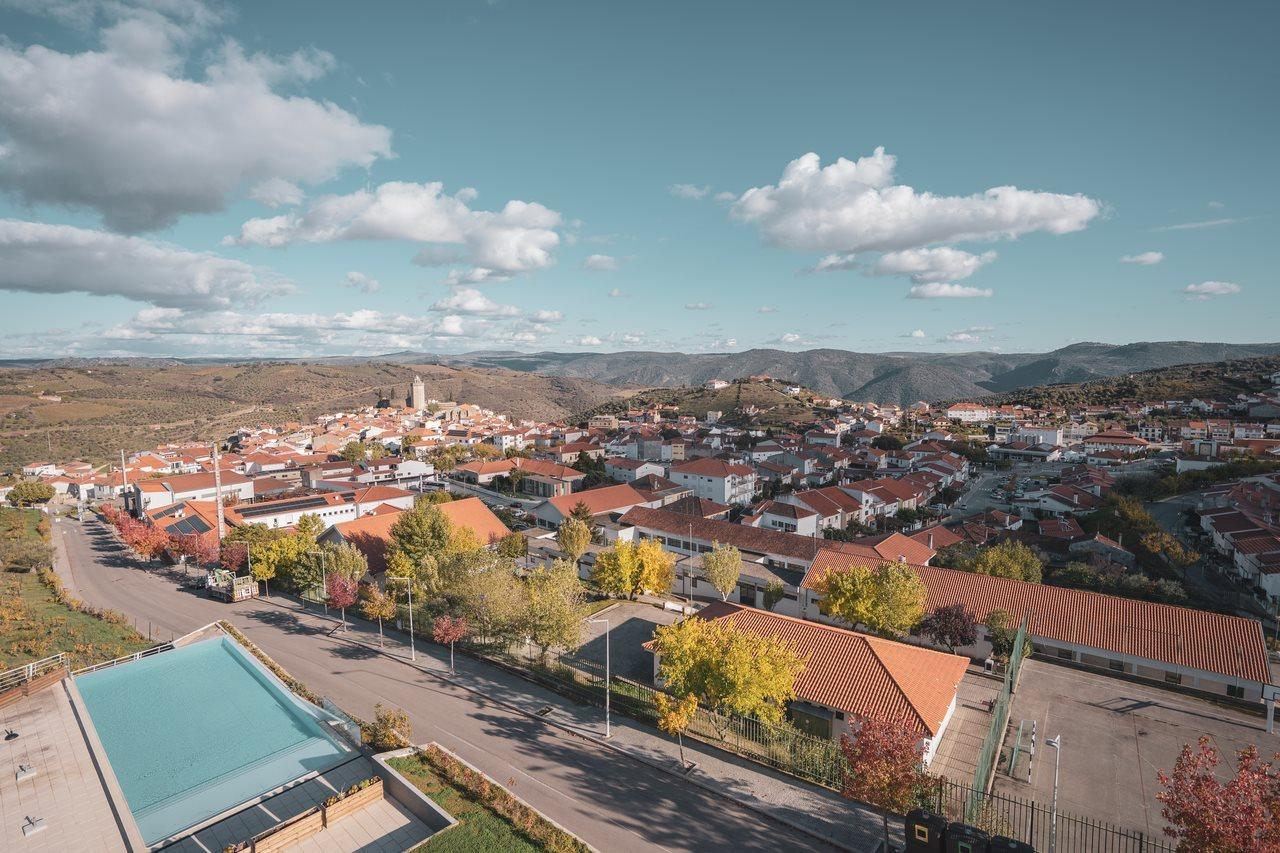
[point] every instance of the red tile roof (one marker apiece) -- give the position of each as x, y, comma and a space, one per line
711, 467
599, 501
857, 673
1212, 642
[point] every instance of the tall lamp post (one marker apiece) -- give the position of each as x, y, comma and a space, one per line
608, 730
1056, 743
408, 585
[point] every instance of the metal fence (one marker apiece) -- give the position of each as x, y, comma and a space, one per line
20, 675
990, 752
1034, 823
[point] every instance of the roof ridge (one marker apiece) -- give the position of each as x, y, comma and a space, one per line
873, 643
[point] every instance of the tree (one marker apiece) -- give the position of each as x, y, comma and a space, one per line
447, 631
25, 494
674, 716
147, 540
491, 598
888, 599
1009, 559
582, 512
309, 526
884, 767
730, 670
573, 537
554, 616
958, 556
353, 451
347, 560
1002, 631
341, 592
513, 545
722, 565
436, 496
425, 537
773, 593
290, 557
1207, 814
952, 625
377, 605
629, 568
390, 729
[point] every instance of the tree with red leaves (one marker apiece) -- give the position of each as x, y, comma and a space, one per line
342, 592
1206, 814
952, 625
449, 630
885, 767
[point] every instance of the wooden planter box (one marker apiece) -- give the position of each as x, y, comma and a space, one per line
352, 803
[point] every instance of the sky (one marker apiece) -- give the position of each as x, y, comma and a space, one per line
284, 179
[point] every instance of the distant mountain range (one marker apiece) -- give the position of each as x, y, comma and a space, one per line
892, 377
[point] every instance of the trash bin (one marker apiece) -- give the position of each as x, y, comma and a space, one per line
1004, 844
925, 831
962, 838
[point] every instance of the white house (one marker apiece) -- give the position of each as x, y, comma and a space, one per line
716, 480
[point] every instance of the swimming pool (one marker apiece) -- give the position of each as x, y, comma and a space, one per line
195, 731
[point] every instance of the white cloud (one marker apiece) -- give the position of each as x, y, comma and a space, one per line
618, 293
118, 130
547, 316
465, 300
943, 290
787, 338
600, 263
930, 266
1216, 205
585, 341
726, 198
1192, 226
689, 191
1145, 259
834, 263
277, 192
918, 333
360, 281
971, 335
40, 258
698, 306
766, 309
855, 206
518, 238
1209, 289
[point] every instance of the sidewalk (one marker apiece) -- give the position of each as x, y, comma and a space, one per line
807, 808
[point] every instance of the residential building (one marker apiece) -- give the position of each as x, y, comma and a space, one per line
717, 480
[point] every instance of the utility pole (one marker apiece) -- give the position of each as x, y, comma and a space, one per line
124, 479
1056, 743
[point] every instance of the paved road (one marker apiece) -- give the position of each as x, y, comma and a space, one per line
609, 800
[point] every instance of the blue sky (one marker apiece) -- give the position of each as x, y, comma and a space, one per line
183, 178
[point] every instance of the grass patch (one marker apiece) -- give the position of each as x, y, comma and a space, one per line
476, 804
34, 625
591, 608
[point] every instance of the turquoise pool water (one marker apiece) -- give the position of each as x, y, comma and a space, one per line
193, 732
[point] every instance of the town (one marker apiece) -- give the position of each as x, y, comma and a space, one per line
965, 590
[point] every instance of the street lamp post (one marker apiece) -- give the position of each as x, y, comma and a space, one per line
324, 578
608, 730
1056, 743
408, 585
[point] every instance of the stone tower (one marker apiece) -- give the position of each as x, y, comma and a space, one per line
418, 394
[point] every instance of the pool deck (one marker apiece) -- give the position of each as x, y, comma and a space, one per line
69, 790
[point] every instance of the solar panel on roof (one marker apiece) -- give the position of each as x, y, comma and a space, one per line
276, 507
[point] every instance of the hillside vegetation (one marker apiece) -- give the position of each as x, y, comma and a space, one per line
1216, 380
115, 405
774, 406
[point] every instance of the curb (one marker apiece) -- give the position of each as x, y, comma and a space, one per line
601, 742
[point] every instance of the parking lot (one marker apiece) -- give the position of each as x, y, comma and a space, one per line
631, 624
1116, 735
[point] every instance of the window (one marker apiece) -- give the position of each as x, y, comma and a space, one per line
1172, 678
1116, 665
1235, 691
1066, 654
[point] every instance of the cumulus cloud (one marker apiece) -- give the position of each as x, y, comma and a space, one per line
698, 306
1145, 259
585, 341
120, 131
1210, 289
547, 316
918, 333
931, 266
851, 206
465, 300
41, 258
360, 281
943, 290
518, 238
276, 192
971, 335
689, 191
766, 309
618, 293
600, 263
834, 263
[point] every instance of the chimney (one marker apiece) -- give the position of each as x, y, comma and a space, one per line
1075, 498
930, 541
